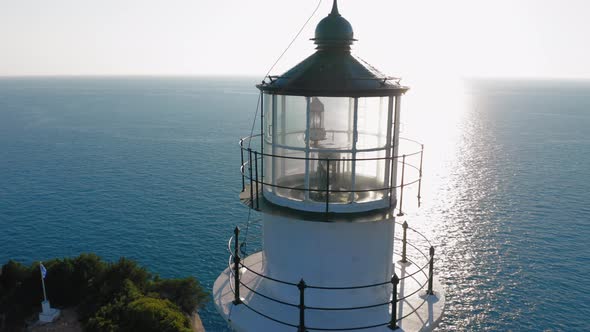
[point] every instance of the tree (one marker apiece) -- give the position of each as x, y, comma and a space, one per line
59, 282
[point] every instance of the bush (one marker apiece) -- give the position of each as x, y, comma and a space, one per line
112, 281
133, 311
20, 291
154, 315
110, 315
13, 273
186, 293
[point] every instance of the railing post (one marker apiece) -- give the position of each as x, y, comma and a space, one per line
431, 272
401, 195
420, 178
237, 299
393, 321
404, 241
242, 165
256, 174
262, 140
301, 286
392, 181
251, 185
327, 185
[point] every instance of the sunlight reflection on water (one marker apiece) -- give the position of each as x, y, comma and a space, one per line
490, 227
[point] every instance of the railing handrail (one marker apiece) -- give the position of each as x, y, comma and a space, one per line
241, 142
331, 190
424, 255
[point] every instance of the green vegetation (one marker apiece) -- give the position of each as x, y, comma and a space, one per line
110, 297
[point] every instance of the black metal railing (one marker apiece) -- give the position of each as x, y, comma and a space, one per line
253, 174
392, 322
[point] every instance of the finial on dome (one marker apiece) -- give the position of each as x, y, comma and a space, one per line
335, 8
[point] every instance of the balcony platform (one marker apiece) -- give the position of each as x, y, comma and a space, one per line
416, 312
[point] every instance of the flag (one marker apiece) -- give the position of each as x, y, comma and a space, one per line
43, 271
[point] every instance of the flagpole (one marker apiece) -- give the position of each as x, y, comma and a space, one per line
42, 281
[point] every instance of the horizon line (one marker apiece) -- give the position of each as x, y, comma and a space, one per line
254, 76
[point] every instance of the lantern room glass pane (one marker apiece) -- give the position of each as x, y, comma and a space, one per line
268, 168
291, 120
372, 122
288, 174
331, 170
371, 173
338, 123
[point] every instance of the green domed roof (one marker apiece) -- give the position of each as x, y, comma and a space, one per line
334, 29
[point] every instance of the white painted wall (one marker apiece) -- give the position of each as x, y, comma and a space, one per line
334, 254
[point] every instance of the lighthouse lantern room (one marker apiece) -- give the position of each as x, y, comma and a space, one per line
325, 173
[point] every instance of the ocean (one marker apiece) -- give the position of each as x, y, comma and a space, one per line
147, 167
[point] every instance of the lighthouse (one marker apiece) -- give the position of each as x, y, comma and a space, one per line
327, 173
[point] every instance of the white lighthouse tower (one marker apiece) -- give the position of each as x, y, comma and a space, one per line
327, 172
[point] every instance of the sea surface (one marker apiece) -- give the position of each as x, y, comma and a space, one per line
147, 167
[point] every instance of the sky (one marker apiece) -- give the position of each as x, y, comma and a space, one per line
417, 38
